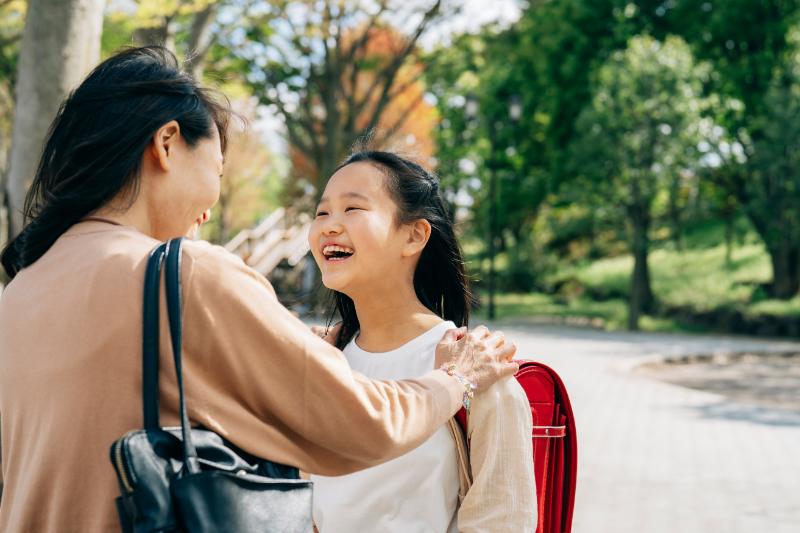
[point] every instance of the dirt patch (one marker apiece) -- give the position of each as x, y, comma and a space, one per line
768, 380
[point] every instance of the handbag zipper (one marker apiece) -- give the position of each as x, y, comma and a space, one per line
120, 464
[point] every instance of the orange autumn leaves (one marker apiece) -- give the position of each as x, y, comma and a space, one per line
406, 121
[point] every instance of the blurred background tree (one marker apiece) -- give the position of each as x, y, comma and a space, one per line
616, 162
12, 22
335, 72
638, 138
59, 45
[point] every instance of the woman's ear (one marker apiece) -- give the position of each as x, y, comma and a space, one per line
419, 232
164, 141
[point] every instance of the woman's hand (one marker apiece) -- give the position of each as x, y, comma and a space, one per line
329, 335
479, 355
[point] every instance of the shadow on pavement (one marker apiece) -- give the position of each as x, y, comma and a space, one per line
748, 413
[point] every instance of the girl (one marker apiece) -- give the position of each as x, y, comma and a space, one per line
385, 244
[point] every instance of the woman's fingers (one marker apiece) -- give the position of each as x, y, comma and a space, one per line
481, 332
482, 356
333, 334
495, 361
506, 352
509, 369
496, 339
328, 334
452, 335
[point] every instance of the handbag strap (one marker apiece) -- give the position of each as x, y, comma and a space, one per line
174, 308
150, 333
169, 255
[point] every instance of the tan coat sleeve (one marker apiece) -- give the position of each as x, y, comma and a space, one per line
1, 473
503, 492
258, 376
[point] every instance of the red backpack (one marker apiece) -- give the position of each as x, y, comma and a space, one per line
555, 445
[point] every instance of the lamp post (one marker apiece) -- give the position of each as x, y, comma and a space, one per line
492, 215
514, 113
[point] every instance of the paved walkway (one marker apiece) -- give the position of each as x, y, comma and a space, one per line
655, 457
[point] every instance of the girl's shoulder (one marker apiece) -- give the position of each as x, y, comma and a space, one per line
504, 401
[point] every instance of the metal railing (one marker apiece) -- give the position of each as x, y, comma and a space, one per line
279, 236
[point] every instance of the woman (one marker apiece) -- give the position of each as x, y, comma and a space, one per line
385, 244
134, 157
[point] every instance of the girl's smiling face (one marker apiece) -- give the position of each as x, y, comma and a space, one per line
355, 238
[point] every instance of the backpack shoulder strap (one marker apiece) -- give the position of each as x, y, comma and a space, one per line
462, 451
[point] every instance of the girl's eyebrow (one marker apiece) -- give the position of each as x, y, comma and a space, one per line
356, 195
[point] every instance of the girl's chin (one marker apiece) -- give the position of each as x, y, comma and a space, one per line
335, 283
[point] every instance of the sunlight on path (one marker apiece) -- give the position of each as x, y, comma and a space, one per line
655, 457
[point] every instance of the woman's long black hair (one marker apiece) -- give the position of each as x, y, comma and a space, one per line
440, 281
94, 148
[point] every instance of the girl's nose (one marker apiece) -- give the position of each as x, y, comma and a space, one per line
332, 228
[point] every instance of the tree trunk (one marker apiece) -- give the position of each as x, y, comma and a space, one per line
163, 35
200, 40
335, 144
224, 223
729, 230
641, 298
6, 109
327, 165
779, 234
60, 44
675, 212
785, 258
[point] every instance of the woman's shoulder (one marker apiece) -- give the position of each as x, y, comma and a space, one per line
211, 257
199, 250
213, 266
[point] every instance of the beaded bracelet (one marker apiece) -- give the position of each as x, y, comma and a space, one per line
469, 387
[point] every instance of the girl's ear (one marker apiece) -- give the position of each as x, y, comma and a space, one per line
419, 232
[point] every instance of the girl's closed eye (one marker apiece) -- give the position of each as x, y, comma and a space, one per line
321, 213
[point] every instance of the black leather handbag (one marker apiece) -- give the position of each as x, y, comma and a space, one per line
184, 479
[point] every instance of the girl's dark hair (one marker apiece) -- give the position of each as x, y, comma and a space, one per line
94, 148
440, 280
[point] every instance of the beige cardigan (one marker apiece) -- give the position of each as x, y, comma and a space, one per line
70, 378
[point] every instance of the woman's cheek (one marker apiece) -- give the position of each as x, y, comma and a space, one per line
206, 196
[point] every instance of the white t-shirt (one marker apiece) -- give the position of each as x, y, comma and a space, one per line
415, 493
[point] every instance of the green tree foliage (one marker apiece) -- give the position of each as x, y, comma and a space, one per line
544, 62
768, 184
753, 46
637, 136
740, 159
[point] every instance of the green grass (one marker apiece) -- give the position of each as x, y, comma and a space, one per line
609, 314
698, 278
